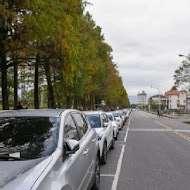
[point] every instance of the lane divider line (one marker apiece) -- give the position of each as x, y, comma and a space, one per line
174, 131
107, 175
118, 170
125, 139
119, 164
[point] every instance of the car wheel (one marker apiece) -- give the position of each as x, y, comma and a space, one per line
104, 154
96, 184
112, 144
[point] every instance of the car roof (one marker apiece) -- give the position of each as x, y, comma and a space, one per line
92, 112
109, 113
32, 113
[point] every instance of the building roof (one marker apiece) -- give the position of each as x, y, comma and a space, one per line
174, 92
157, 96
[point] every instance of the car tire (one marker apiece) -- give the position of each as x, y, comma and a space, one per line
96, 184
104, 154
112, 144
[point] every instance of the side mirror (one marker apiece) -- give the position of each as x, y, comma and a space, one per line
106, 124
72, 146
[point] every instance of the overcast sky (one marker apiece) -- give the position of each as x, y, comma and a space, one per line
146, 37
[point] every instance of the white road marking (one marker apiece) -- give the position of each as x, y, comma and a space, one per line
116, 178
107, 175
181, 130
129, 121
159, 130
125, 139
151, 130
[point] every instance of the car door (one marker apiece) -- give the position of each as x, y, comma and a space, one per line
77, 164
107, 129
88, 141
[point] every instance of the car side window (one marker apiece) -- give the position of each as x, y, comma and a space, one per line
81, 123
105, 118
70, 129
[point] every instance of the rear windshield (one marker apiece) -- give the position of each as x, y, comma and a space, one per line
110, 117
94, 121
116, 114
28, 137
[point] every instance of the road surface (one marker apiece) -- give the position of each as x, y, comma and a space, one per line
151, 154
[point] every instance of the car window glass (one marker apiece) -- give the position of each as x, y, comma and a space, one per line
105, 118
70, 130
110, 117
94, 120
81, 123
28, 137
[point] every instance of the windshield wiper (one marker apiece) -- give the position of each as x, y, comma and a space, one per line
5, 157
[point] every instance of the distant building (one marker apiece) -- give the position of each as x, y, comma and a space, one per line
157, 97
141, 98
176, 100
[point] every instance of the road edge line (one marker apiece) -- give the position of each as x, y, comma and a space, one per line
116, 178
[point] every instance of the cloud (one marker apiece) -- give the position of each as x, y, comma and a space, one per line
146, 37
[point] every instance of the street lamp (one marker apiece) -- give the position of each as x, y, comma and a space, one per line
159, 96
181, 55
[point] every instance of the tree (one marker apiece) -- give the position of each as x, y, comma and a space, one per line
182, 74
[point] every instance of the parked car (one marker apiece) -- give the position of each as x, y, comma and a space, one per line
118, 119
114, 124
103, 126
48, 150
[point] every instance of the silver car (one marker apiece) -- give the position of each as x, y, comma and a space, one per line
103, 126
48, 150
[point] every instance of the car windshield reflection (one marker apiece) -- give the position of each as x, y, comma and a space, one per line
28, 137
94, 121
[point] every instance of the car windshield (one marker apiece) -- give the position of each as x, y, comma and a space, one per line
94, 121
28, 137
116, 114
110, 117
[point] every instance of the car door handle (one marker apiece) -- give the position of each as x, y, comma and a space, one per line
94, 140
85, 152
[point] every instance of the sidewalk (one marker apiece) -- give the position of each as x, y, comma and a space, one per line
174, 116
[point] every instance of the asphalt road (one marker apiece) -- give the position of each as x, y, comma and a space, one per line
151, 154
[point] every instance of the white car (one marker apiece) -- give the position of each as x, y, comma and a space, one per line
114, 124
103, 126
118, 119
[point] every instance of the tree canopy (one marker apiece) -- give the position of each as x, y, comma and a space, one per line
182, 74
53, 54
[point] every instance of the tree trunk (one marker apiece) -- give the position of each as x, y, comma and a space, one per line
36, 83
15, 85
51, 99
4, 82
3, 37
68, 102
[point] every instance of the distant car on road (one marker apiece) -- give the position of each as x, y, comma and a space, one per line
118, 119
48, 150
103, 126
114, 124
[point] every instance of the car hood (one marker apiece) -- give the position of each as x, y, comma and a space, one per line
114, 124
99, 130
16, 175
